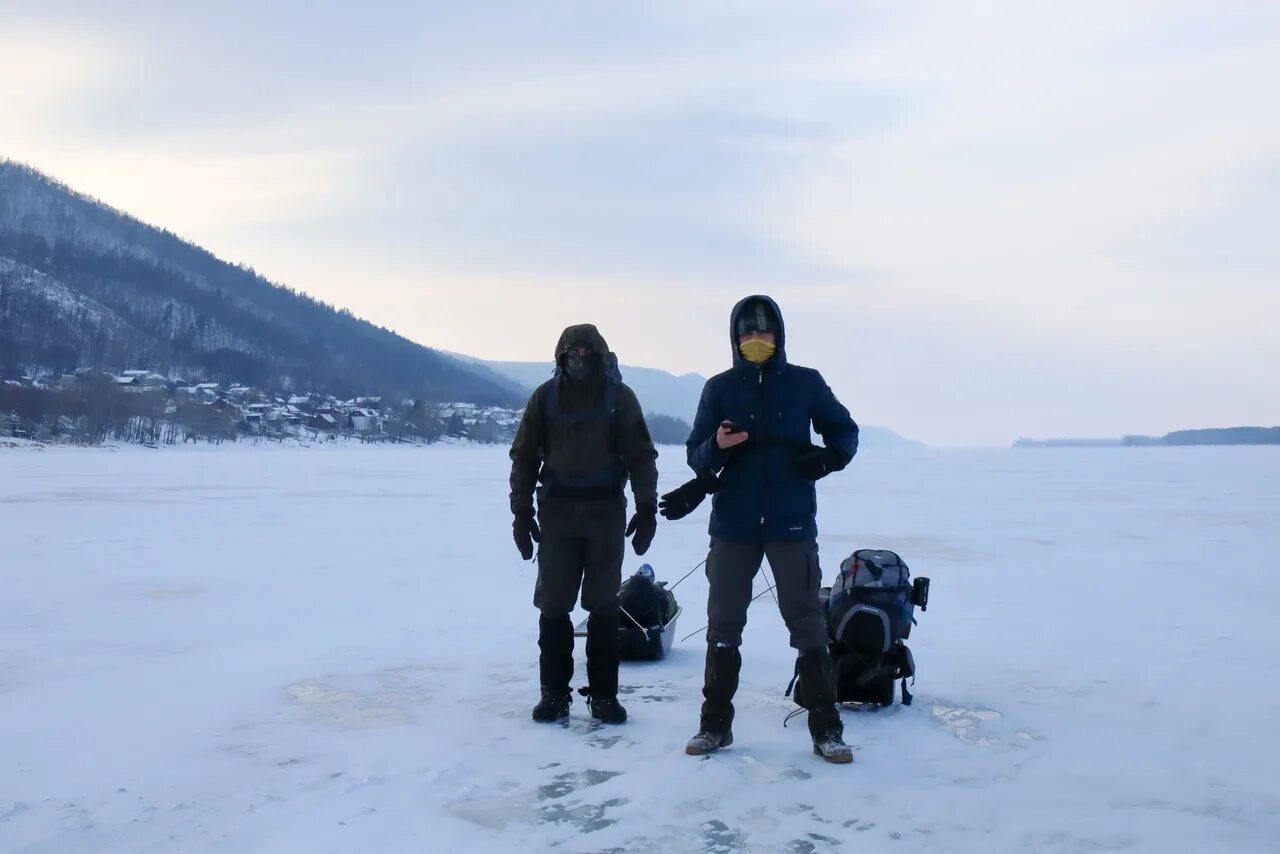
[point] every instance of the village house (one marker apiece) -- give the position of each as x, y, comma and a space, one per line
325, 420
365, 420
255, 412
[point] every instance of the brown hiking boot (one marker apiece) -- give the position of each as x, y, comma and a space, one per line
708, 742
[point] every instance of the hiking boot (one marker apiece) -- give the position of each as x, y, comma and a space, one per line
554, 706
831, 747
607, 710
708, 742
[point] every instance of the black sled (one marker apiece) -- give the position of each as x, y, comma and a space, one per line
647, 623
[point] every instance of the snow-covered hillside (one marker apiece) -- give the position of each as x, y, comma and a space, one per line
83, 285
252, 649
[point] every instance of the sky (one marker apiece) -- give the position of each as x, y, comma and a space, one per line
981, 220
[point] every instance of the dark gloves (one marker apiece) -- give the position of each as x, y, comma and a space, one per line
816, 463
525, 531
644, 524
683, 500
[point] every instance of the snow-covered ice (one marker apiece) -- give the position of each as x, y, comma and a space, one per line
251, 649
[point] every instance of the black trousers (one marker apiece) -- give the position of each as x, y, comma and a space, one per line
581, 550
732, 566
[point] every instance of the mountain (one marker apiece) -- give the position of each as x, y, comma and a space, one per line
664, 393
1225, 436
870, 436
658, 391
84, 285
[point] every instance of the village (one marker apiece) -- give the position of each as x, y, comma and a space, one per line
141, 405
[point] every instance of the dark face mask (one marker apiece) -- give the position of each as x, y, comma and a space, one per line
580, 367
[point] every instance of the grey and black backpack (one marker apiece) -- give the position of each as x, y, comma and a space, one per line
870, 609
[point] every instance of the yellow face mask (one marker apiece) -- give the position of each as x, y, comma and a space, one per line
756, 351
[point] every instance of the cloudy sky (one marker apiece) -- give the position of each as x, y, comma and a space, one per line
982, 220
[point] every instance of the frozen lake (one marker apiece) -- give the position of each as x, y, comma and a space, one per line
257, 649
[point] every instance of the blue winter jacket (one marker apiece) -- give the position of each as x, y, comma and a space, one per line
761, 495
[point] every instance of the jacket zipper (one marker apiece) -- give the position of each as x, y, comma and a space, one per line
764, 484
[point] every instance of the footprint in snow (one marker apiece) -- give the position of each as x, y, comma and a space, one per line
965, 723
550, 803
571, 781
979, 726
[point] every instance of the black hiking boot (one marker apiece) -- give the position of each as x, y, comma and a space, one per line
817, 673
555, 667
607, 710
708, 742
553, 707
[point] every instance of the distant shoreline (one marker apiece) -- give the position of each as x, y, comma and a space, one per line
1214, 436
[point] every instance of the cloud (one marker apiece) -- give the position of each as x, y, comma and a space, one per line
1026, 181
980, 217
46, 68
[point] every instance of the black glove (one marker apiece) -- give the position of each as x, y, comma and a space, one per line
525, 531
815, 463
644, 524
683, 500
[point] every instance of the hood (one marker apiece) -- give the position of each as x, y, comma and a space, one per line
584, 335
780, 357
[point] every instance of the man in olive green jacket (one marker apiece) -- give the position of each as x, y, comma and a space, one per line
582, 436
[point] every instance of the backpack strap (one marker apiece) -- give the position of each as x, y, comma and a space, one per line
790, 685
907, 668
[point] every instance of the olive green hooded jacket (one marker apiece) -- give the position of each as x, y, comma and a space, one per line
583, 440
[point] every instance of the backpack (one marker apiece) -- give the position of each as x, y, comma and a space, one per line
870, 609
646, 628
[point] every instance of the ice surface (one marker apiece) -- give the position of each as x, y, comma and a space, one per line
245, 649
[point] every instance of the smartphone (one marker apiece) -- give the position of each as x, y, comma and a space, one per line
730, 426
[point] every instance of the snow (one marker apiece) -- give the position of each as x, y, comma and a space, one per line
258, 648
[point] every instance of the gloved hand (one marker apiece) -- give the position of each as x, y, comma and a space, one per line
684, 499
525, 531
815, 463
644, 524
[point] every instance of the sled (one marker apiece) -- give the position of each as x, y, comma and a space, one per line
640, 644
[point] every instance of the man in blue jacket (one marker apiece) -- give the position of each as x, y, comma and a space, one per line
753, 429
